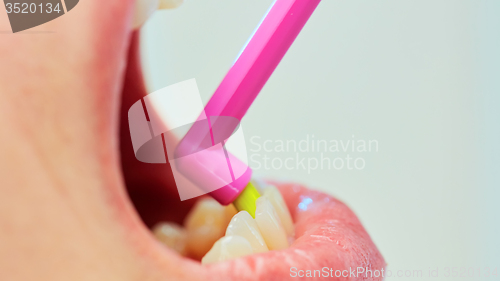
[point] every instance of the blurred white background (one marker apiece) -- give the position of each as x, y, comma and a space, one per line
420, 77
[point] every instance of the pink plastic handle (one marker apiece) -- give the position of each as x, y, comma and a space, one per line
260, 57
251, 70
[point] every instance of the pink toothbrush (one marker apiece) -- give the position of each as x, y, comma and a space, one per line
206, 161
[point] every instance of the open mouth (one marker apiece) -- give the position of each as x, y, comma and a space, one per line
329, 239
69, 111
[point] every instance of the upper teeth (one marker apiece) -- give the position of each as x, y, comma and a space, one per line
145, 8
170, 4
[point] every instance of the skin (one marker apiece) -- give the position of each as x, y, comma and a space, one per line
66, 163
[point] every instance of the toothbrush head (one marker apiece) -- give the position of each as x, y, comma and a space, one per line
246, 200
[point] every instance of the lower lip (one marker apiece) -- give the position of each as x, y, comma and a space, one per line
328, 235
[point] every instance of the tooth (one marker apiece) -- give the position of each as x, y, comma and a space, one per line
230, 211
228, 247
169, 4
204, 224
245, 226
260, 185
172, 235
279, 205
143, 10
269, 225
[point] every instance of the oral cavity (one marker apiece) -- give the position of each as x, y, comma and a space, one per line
215, 233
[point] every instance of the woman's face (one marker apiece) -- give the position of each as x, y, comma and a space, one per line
75, 204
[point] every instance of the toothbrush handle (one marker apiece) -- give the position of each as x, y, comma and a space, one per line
260, 57
200, 157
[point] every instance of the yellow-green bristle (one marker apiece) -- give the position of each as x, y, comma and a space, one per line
246, 200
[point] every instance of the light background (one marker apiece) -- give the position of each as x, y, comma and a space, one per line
420, 77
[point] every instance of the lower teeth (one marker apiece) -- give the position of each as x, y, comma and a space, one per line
171, 235
202, 236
